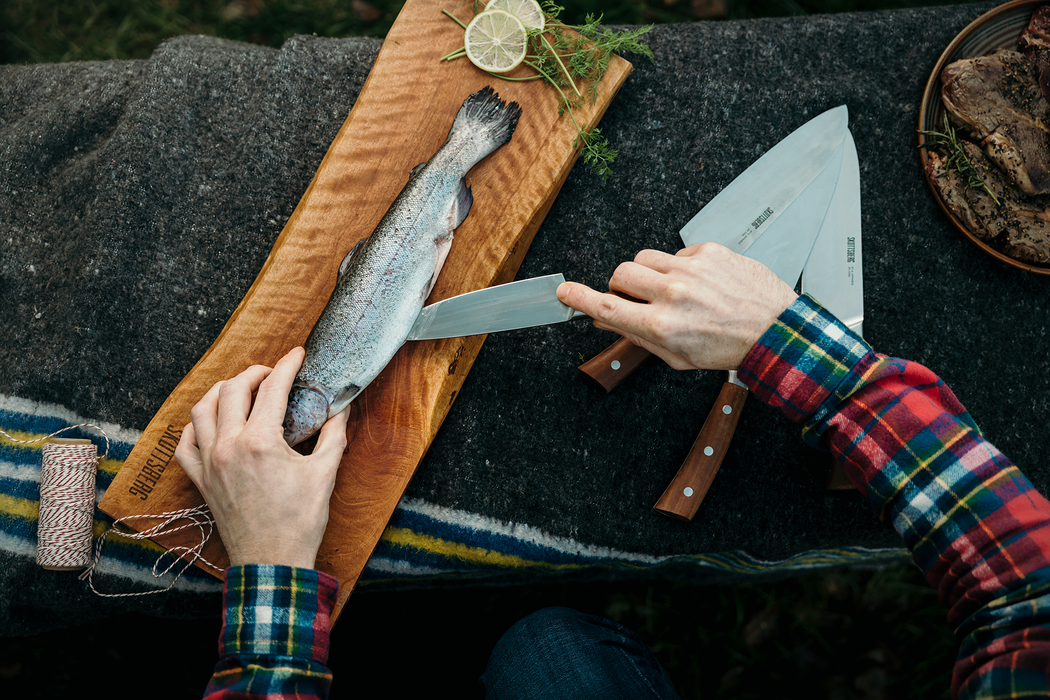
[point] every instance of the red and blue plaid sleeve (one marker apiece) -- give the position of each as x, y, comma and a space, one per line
973, 522
274, 639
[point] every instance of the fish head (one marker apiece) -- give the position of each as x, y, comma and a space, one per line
307, 411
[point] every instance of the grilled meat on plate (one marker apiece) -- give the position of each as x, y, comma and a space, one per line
1018, 224
998, 100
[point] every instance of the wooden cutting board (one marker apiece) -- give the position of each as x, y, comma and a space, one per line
400, 119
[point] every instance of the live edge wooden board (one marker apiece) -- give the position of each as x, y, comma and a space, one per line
400, 119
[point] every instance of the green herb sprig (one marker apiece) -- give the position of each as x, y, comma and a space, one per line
957, 160
571, 57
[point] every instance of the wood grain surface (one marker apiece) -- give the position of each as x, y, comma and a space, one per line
400, 119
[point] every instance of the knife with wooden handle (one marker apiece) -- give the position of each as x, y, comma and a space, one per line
614, 364
784, 249
834, 273
683, 496
736, 217
793, 207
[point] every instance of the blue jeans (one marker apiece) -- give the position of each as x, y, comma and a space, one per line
564, 654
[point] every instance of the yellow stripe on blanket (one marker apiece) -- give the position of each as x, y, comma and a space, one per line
27, 509
19, 507
108, 464
20, 436
455, 550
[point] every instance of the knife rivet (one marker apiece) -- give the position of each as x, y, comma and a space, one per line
727, 409
615, 364
709, 450
687, 491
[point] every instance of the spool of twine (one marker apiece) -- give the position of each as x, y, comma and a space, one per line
67, 504
67, 514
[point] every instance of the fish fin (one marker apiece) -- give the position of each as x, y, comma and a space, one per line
349, 257
464, 200
343, 398
413, 171
484, 123
444, 245
460, 209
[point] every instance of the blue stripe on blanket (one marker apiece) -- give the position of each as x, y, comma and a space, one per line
422, 541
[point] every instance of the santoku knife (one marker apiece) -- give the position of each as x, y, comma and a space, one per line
733, 218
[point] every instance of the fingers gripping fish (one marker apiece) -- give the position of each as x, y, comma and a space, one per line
384, 280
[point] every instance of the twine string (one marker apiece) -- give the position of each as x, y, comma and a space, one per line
67, 508
198, 517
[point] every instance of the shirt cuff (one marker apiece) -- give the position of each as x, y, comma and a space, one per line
279, 610
804, 362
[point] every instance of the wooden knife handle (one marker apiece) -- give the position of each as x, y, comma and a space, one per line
611, 366
837, 479
688, 488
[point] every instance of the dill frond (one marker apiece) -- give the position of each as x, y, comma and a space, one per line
569, 57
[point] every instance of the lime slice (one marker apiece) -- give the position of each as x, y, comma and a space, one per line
495, 41
528, 11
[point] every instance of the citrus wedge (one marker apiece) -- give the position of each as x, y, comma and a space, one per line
527, 11
495, 41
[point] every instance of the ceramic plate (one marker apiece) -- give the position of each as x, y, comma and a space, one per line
998, 28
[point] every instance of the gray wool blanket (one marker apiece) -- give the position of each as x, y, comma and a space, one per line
139, 200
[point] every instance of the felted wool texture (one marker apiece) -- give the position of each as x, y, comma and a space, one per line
138, 201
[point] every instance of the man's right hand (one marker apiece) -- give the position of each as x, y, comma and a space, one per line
706, 306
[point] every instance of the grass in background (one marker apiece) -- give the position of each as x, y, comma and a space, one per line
45, 31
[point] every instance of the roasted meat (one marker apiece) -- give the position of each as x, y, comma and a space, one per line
1028, 237
1035, 44
1018, 224
953, 187
997, 99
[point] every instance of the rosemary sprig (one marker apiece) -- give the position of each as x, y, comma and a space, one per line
573, 59
958, 161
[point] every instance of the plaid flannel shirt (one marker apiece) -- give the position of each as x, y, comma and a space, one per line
274, 639
973, 522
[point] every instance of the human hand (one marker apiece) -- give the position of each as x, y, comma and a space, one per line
707, 306
270, 503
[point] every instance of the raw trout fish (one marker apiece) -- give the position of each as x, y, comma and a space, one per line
384, 280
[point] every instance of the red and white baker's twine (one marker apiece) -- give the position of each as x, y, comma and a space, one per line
198, 517
67, 510
67, 506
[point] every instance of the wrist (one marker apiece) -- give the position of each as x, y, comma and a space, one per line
277, 610
277, 549
801, 359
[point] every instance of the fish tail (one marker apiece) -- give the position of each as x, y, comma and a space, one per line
483, 124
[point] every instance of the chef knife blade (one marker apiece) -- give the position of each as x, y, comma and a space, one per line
744, 210
784, 249
749, 205
834, 273
505, 307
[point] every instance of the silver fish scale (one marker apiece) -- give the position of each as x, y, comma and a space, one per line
384, 280
382, 289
